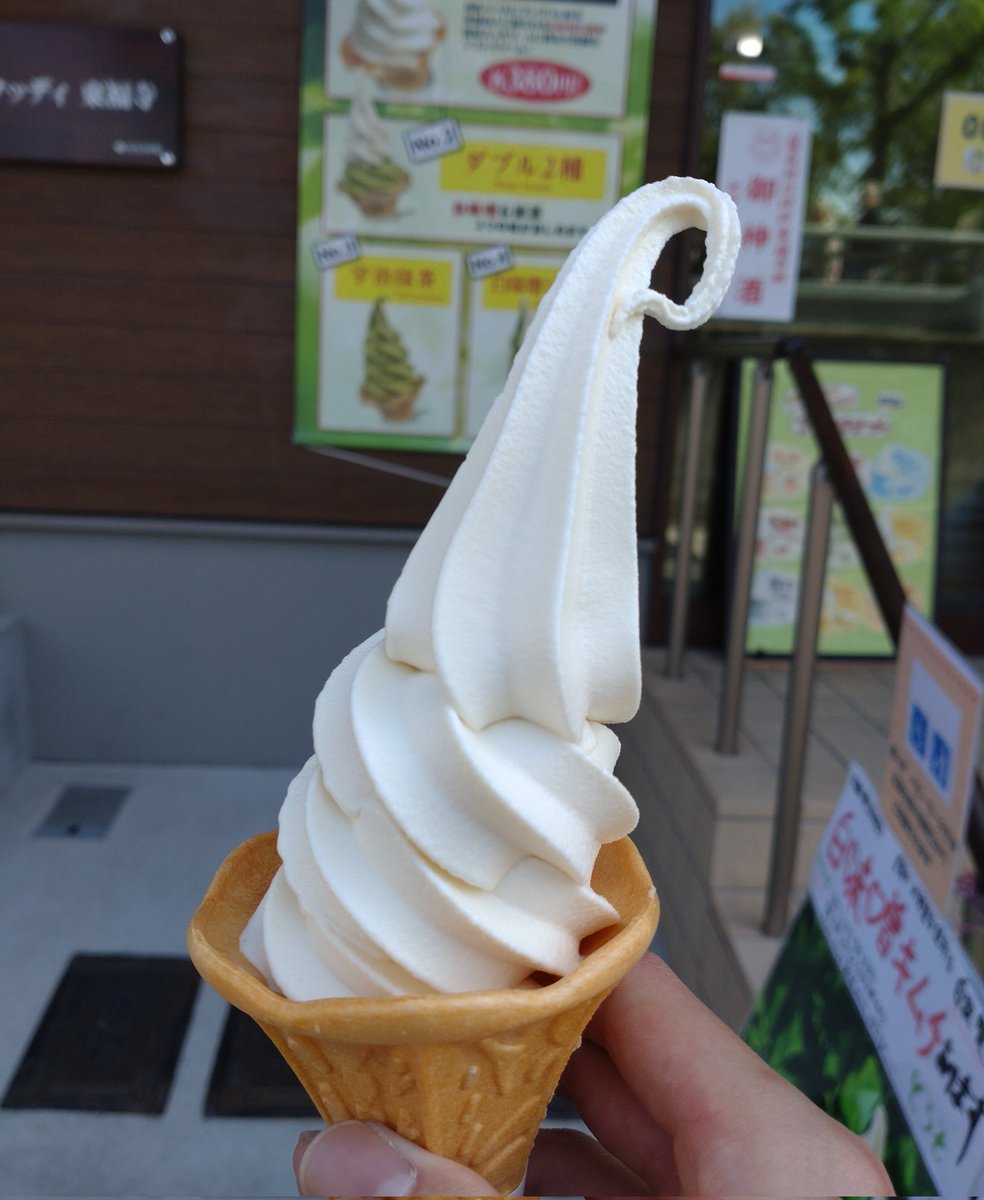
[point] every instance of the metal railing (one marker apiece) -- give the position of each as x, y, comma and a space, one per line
833, 477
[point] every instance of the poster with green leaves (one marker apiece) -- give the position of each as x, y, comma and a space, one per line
452, 152
874, 1009
807, 1027
890, 415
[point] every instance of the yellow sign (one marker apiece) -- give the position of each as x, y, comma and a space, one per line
517, 286
960, 151
511, 168
399, 280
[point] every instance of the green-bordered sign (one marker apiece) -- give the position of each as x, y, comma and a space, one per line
890, 416
451, 155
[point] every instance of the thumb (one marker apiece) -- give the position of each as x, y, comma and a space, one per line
361, 1158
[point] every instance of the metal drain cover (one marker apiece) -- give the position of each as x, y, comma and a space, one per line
83, 811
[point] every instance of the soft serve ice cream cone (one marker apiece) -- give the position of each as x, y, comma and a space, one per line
452, 892
372, 179
389, 382
392, 41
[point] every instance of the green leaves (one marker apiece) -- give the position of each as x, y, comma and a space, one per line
806, 1026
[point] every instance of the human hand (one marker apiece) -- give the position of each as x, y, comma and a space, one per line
678, 1104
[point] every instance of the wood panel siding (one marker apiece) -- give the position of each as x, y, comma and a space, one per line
147, 319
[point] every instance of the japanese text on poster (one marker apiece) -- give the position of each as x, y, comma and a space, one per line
890, 416
763, 164
919, 995
462, 148
933, 741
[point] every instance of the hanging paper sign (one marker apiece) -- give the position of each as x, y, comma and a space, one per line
764, 165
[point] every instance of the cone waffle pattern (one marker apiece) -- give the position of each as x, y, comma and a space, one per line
479, 1103
468, 1077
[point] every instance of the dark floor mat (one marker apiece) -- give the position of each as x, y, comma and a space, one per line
250, 1079
110, 1037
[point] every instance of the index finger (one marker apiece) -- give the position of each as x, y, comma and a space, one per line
681, 1061
735, 1125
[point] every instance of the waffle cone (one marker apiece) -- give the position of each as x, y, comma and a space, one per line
467, 1076
394, 408
377, 204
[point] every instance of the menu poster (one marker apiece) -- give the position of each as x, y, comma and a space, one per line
449, 161
933, 742
890, 416
875, 1011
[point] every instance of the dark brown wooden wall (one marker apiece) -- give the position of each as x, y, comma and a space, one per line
146, 319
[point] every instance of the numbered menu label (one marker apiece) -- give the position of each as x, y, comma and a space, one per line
491, 260
334, 251
427, 142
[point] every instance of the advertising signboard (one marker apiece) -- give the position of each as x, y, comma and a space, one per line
890, 416
875, 1011
90, 94
873, 1008
960, 149
447, 166
764, 165
933, 742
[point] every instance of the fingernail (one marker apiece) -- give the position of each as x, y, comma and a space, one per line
303, 1141
354, 1159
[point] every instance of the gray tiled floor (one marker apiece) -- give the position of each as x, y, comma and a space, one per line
133, 891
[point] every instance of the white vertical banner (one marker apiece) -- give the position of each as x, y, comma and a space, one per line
764, 164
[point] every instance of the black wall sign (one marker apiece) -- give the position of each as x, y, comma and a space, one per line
89, 94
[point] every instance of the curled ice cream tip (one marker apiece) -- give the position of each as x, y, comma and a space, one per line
442, 837
521, 593
394, 32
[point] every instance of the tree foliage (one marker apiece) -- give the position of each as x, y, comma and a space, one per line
870, 77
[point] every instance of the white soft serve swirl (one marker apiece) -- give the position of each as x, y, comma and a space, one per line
391, 32
368, 137
442, 837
